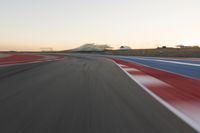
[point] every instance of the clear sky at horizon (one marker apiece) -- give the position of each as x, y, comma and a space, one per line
65, 24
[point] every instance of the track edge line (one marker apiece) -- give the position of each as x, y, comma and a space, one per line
181, 115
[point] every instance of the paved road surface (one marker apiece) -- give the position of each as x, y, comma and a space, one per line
79, 95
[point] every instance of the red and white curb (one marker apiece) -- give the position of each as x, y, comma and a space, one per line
185, 106
44, 59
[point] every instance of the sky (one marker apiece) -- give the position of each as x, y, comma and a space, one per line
66, 24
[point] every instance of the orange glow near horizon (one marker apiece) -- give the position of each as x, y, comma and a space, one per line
62, 25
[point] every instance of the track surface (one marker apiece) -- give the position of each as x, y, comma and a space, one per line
79, 94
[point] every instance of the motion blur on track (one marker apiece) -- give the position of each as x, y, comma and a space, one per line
80, 94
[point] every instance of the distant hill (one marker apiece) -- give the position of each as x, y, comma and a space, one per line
159, 52
91, 47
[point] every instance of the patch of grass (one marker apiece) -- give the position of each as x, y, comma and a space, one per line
159, 52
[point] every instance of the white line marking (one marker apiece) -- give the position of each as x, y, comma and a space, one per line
149, 80
160, 69
122, 65
174, 62
181, 63
190, 109
181, 115
131, 69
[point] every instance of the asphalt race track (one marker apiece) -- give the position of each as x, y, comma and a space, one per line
79, 94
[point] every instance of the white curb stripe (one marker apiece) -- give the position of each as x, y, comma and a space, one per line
179, 113
122, 65
149, 80
131, 69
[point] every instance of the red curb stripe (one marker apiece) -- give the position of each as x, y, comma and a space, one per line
184, 88
177, 98
21, 59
